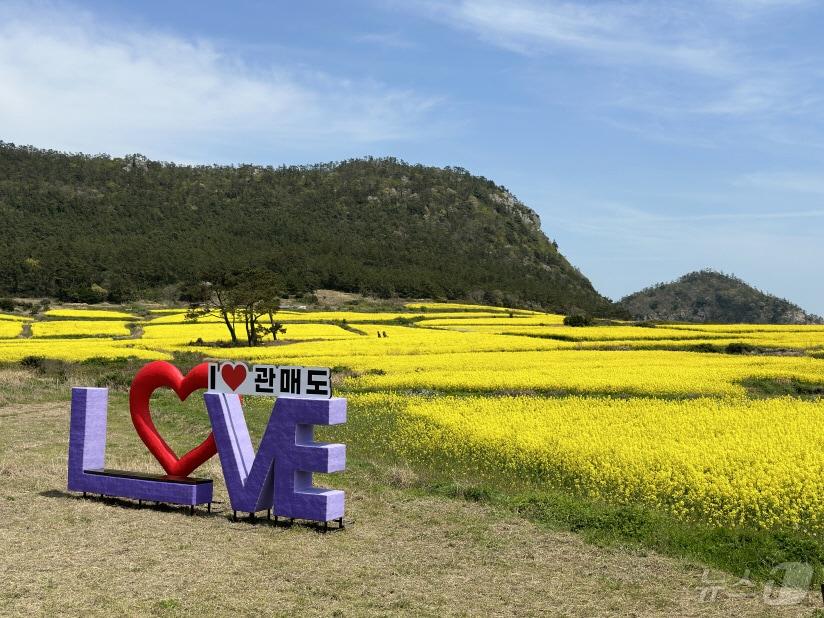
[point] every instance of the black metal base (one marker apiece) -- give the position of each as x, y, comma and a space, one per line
140, 502
253, 515
275, 518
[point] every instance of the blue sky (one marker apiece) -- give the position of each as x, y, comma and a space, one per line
653, 138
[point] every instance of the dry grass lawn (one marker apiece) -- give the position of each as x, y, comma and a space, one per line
402, 553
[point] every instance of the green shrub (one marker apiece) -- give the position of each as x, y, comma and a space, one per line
33, 362
739, 348
578, 319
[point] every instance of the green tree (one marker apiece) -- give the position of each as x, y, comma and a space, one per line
241, 298
257, 295
578, 319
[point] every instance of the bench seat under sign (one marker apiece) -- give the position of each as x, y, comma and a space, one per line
146, 476
87, 452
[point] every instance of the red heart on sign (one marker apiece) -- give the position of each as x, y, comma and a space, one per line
233, 375
146, 381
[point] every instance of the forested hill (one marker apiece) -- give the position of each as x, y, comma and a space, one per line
710, 296
87, 228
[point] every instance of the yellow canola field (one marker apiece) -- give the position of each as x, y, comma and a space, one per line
788, 337
179, 317
9, 329
492, 321
727, 461
652, 373
672, 430
590, 333
399, 341
796, 342
298, 331
13, 318
79, 328
177, 335
76, 350
749, 328
681, 343
408, 360
356, 317
801, 340
460, 307
96, 314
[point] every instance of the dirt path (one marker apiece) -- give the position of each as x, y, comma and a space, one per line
401, 554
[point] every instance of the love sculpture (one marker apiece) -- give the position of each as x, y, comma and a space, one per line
277, 479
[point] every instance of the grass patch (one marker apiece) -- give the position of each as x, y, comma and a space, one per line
777, 387
734, 550
348, 327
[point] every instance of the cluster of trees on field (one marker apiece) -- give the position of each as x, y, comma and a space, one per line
93, 228
246, 299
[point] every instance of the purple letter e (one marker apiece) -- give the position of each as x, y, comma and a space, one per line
298, 456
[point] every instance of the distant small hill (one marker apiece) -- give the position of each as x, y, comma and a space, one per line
711, 296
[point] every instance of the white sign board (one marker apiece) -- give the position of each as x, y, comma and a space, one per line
272, 380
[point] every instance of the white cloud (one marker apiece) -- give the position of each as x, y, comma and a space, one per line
752, 8
617, 33
69, 82
811, 183
392, 40
668, 60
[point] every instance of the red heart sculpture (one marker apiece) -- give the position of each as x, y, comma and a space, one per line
233, 375
146, 381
